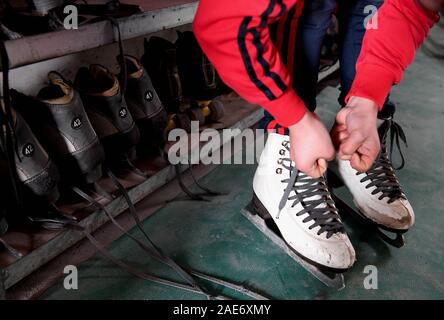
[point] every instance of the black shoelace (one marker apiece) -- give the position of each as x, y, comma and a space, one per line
315, 198
8, 139
156, 252
382, 174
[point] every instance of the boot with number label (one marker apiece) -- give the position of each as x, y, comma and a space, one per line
106, 107
160, 61
35, 169
145, 107
38, 177
200, 81
58, 115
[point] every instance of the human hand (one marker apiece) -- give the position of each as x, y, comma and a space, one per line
310, 145
355, 133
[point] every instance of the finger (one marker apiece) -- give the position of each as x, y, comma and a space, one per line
343, 135
344, 156
341, 127
322, 166
313, 171
318, 168
338, 135
341, 116
361, 162
337, 129
352, 143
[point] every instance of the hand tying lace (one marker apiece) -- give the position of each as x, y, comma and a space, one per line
382, 174
314, 196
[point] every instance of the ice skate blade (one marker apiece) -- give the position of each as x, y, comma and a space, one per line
330, 279
335, 182
398, 241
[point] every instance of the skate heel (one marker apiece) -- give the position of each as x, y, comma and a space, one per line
256, 207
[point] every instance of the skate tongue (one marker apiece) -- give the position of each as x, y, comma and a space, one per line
56, 79
106, 83
59, 92
135, 69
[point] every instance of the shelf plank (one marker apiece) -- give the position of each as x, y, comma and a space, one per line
36, 48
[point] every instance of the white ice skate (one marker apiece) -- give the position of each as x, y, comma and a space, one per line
300, 210
377, 193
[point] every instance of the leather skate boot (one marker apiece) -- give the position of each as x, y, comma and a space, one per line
63, 125
201, 84
145, 107
34, 167
199, 78
300, 208
377, 193
107, 109
160, 61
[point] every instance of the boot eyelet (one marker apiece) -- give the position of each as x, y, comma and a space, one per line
280, 161
282, 152
284, 143
279, 170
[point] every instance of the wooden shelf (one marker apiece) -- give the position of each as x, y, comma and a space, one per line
157, 16
239, 115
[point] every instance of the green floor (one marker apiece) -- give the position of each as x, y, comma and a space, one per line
215, 238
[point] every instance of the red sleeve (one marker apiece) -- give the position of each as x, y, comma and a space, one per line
234, 35
389, 49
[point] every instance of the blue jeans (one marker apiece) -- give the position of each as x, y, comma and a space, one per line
313, 24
